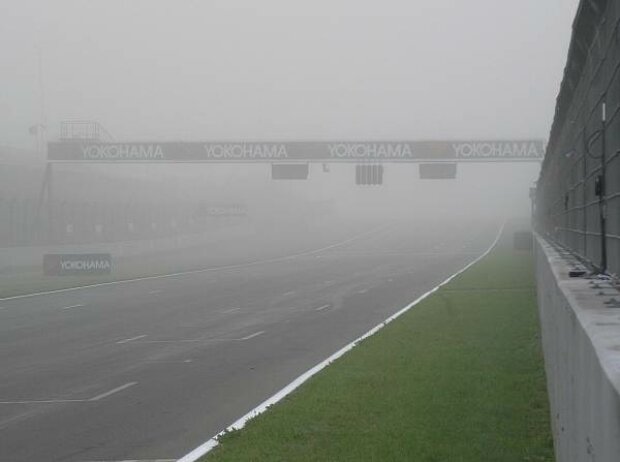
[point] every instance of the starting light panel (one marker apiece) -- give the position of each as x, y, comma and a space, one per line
369, 175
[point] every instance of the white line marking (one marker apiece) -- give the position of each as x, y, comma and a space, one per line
206, 339
321, 308
152, 292
113, 391
45, 401
207, 446
231, 310
136, 460
255, 334
58, 401
363, 291
203, 270
292, 292
163, 361
72, 306
127, 340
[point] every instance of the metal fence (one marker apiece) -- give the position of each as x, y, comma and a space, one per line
26, 223
578, 192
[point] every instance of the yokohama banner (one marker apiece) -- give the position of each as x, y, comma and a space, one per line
269, 152
70, 264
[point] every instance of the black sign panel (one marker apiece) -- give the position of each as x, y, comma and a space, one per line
438, 171
523, 240
274, 151
74, 264
289, 171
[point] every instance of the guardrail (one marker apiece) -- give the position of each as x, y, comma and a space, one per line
578, 193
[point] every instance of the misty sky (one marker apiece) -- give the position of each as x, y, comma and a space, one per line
321, 69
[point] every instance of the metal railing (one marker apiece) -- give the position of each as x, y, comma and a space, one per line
81, 130
578, 192
79, 222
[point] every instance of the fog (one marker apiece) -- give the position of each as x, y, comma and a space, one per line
153, 70
202, 200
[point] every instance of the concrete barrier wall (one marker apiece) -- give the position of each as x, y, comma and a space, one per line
581, 341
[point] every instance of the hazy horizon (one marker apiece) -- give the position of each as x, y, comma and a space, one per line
193, 70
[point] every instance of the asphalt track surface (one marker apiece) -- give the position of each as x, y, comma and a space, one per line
149, 369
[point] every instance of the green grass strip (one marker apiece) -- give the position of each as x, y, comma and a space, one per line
458, 378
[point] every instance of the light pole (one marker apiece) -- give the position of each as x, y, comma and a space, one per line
602, 197
599, 185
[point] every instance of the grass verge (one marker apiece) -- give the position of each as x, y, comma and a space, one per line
458, 378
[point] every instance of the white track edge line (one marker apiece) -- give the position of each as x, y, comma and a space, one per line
73, 306
201, 270
207, 446
127, 340
113, 391
251, 336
